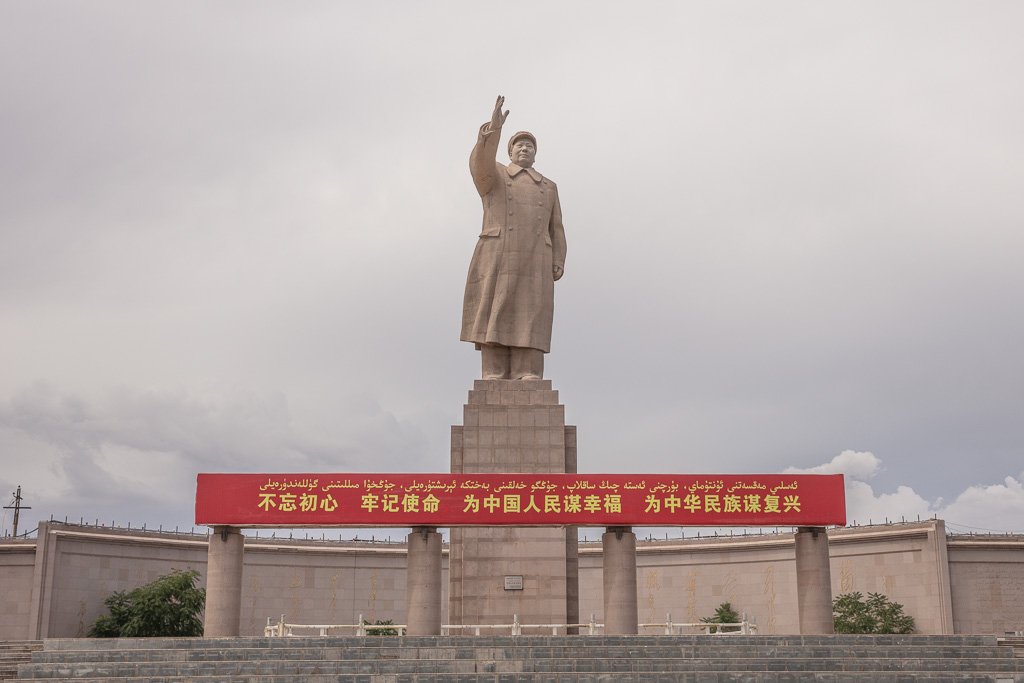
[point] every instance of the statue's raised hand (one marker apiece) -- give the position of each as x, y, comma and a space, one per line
497, 118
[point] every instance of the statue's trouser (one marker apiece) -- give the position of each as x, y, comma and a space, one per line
511, 362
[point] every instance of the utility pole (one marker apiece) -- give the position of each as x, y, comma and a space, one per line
17, 507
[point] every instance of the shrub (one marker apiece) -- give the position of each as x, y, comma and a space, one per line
724, 614
169, 606
851, 613
370, 631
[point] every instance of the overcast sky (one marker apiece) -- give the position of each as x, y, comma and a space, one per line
234, 237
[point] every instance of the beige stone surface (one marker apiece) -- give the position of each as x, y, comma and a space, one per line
314, 583
225, 562
987, 575
979, 589
813, 581
423, 582
513, 426
76, 569
689, 578
17, 563
618, 569
509, 297
906, 562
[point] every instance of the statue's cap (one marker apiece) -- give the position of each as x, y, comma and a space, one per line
521, 134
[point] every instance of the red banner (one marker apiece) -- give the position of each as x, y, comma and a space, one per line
448, 500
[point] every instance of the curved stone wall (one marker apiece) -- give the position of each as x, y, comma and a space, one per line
54, 586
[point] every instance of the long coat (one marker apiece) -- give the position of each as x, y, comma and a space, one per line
510, 289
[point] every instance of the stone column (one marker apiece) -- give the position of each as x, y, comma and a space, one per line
423, 582
619, 552
813, 580
224, 583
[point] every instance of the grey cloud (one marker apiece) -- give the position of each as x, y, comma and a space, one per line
130, 453
792, 231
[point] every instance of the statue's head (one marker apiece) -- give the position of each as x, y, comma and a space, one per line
522, 149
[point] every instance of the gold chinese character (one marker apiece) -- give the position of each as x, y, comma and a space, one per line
472, 503
308, 502
572, 503
752, 502
370, 502
771, 504
411, 503
592, 503
531, 506
390, 503
552, 504
492, 502
653, 504
328, 504
732, 503
712, 503
692, 502
510, 502
267, 501
430, 503
791, 503
613, 503
287, 502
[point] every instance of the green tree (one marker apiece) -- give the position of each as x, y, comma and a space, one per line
851, 613
169, 606
724, 614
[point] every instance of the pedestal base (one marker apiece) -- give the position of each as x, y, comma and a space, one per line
513, 426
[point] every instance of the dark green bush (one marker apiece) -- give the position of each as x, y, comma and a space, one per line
851, 613
169, 606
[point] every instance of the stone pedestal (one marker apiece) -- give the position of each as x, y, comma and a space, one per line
423, 582
224, 583
618, 546
513, 426
813, 580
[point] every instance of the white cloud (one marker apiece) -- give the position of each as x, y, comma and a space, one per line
985, 507
856, 465
993, 507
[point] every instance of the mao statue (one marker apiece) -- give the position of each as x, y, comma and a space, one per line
510, 289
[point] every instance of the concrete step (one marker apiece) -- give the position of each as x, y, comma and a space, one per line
14, 653
1014, 643
505, 641
647, 677
467, 666
534, 659
767, 652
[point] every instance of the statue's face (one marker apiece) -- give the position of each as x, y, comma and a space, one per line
523, 152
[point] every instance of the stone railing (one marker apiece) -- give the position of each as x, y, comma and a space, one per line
592, 628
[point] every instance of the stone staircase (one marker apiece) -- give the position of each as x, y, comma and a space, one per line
15, 652
527, 659
1015, 642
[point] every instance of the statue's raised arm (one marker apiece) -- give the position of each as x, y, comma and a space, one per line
481, 160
